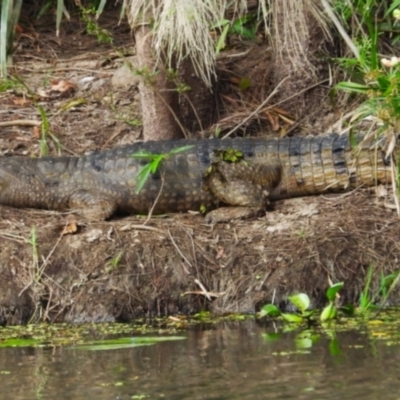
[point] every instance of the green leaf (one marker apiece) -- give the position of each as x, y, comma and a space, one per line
353, 87
303, 343
221, 41
270, 310
392, 7
292, 318
181, 149
328, 313
154, 165
220, 24
333, 290
143, 155
301, 301
142, 176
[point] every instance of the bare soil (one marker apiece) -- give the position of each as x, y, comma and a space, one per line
124, 268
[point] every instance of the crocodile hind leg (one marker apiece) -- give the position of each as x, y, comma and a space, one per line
243, 187
92, 206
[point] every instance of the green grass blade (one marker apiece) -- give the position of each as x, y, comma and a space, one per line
100, 8
60, 9
144, 155
3, 36
123, 11
353, 87
181, 149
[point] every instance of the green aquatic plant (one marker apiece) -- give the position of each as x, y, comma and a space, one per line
302, 303
374, 300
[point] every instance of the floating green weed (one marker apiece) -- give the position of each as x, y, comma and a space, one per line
302, 303
126, 343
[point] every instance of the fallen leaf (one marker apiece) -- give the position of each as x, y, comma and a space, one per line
20, 101
36, 132
220, 253
69, 229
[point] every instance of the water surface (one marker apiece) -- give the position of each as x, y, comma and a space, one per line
230, 361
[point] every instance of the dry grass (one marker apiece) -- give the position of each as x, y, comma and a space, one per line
290, 27
182, 29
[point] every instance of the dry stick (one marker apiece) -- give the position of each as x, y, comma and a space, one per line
155, 202
21, 122
395, 183
142, 227
256, 110
45, 261
194, 110
273, 105
173, 113
177, 248
205, 292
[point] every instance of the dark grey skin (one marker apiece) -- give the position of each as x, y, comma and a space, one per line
103, 183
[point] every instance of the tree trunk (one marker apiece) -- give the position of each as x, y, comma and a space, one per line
297, 37
159, 98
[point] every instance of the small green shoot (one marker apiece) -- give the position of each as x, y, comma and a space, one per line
369, 300
155, 161
330, 311
148, 77
113, 263
244, 27
46, 132
92, 27
203, 209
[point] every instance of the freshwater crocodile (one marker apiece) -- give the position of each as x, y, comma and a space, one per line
103, 183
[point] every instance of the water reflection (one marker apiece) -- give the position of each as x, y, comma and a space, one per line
233, 361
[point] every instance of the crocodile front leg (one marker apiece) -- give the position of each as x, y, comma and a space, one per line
243, 186
91, 205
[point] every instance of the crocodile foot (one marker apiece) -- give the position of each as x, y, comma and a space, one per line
92, 206
243, 186
226, 214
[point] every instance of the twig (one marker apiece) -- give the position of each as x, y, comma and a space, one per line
177, 248
142, 227
205, 292
155, 201
256, 110
21, 122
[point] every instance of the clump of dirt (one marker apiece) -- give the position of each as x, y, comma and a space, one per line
121, 269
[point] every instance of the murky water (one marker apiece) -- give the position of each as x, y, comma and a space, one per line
232, 361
